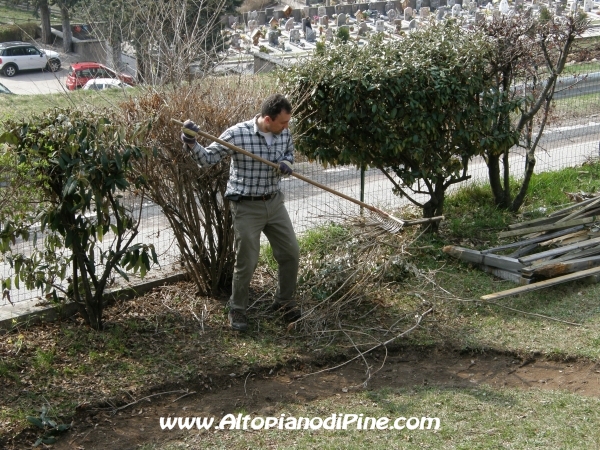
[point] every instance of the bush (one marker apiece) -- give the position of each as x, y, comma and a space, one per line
22, 32
192, 198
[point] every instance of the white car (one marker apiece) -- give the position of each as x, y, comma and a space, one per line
17, 56
98, 84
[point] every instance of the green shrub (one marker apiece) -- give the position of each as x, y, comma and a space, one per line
22, 32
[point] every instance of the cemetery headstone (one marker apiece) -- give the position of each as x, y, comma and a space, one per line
363, 29
310, 36
329, 34
434, 4
294, 35
261, 18
341, 19
323, 21
273, 37
391, 15
408, 13
289, 25
456, 9
424, 12
379, 26
252, 25
588, 5
306, 24
321, 11
256, 35
450, 3
412, 24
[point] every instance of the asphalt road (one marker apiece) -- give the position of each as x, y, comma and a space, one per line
33, 82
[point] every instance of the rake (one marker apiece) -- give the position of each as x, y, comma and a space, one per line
386, 221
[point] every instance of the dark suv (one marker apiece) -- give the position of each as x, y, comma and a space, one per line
16, 56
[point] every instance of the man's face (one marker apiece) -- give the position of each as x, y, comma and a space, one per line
279, 123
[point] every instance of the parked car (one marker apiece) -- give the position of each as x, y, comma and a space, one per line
98, 84
16, 56
80, 73
5, 90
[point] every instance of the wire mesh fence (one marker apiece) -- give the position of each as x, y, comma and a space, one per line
571, 137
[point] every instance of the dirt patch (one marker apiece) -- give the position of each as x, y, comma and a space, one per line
261, 393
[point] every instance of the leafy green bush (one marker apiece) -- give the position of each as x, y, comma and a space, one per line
22, 32
81, 168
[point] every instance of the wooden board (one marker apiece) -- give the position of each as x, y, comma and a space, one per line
542, 284
476, 257
549, 227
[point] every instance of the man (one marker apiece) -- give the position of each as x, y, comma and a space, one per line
257, 202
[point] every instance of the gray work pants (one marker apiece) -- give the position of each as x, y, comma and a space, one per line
270, 217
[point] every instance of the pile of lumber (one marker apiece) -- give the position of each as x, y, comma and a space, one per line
563, 246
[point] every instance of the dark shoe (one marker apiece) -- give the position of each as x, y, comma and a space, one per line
291, 313
237, 320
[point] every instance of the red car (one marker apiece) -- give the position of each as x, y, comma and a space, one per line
80, 73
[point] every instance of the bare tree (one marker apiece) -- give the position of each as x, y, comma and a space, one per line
531, 52
167, 37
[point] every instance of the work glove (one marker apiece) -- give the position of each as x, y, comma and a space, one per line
285, 168
189, 131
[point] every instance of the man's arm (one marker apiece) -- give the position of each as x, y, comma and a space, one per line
207, 156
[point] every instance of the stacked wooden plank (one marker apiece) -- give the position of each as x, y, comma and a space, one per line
563, 246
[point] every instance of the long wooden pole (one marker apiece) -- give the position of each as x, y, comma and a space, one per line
303, 178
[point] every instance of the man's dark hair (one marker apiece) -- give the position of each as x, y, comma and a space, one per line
274, 104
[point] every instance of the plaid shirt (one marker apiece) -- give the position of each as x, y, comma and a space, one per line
246, 175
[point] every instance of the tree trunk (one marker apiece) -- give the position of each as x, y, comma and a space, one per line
529, 166
434, 206
498, 191
115, 49
45, 17
66, 29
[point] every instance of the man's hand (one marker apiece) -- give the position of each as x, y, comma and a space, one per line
285, 168
189, 131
